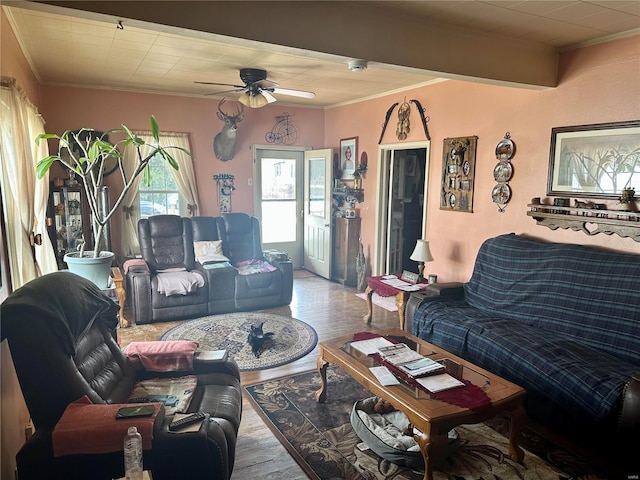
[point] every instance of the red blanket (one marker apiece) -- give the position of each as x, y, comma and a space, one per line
160, 356
470, 396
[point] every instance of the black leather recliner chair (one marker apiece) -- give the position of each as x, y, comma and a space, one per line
241, 242
61, 333
166, 241
226, 289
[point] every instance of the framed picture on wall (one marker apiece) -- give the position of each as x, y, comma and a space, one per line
348, 155
598, 160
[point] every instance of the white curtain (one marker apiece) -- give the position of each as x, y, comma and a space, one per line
24, 197
184, 176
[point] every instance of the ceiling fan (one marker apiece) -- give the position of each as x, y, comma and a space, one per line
257, 89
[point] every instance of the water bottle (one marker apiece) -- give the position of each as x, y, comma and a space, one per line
133, 455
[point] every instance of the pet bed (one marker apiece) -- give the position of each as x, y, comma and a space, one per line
383, 433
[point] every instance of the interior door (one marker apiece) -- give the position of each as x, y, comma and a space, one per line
401, 210
318, 181
278, 200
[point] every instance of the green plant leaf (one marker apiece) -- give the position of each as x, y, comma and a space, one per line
44, 136
44, 165
155, 130
146, 176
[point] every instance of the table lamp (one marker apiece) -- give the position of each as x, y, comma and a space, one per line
421, 254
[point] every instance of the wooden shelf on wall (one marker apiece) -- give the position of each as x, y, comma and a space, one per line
358, 193
587, 220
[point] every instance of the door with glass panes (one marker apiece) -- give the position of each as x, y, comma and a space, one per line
278, 199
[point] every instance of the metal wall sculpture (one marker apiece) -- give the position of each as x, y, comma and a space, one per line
224, 182
458, 173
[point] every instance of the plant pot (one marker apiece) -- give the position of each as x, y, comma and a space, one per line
97, 270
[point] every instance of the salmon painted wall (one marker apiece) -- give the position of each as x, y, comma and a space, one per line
71, 108
597, 84
14, 414
14, 64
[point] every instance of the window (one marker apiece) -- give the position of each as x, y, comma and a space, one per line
161, 197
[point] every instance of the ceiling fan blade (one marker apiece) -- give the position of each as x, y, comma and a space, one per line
294, 93
265, 84
270, 98
239, 89
222, 84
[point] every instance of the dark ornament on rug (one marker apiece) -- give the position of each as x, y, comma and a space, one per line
257, 339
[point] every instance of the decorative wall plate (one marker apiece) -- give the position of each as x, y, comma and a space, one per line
505, 148
501, 194
502, 172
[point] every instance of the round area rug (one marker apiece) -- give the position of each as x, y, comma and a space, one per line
291, 339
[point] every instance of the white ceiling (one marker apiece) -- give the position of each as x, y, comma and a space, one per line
90, 51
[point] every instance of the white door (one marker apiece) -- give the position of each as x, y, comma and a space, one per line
278, 199
318, 180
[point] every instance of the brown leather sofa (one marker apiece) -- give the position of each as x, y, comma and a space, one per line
61, 333
166, 241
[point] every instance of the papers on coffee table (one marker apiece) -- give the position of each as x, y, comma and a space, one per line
438, 383
384, 376
419, 368
399, 353
371, 345
409, 361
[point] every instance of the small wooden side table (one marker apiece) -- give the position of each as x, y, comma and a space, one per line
116, 274
375, 284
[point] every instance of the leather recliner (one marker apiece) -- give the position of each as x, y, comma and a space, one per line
226, 290
241, 242
61, 333
166, 242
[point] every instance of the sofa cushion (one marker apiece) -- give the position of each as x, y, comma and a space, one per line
581, 292
209, 251
586, 381
166, 241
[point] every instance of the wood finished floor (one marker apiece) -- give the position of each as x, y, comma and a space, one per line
332, 310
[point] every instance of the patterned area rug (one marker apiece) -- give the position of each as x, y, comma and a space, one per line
321, 439
291, 339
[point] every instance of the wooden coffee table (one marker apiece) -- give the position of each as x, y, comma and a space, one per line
433, 418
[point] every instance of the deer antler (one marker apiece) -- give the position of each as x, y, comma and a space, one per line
220, 103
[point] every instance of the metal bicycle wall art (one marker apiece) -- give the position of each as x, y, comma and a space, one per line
599, 160
283, 132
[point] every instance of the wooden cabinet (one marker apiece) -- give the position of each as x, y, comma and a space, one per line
346, 242
68, 221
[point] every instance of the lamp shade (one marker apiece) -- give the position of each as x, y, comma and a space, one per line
253, 101
421, 253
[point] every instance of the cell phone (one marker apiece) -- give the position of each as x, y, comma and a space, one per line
131, 412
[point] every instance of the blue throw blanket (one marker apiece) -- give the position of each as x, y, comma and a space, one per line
560, 320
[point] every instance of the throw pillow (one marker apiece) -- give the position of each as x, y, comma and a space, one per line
209, 251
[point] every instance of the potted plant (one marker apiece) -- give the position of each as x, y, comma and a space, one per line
359, 172
86, 156
627, 198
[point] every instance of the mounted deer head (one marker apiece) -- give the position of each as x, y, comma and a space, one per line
224, 143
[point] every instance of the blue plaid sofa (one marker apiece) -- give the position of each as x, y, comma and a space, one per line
560, 320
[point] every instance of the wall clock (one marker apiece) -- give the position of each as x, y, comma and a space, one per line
87, 137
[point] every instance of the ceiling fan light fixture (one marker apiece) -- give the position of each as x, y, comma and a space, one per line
253, 101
